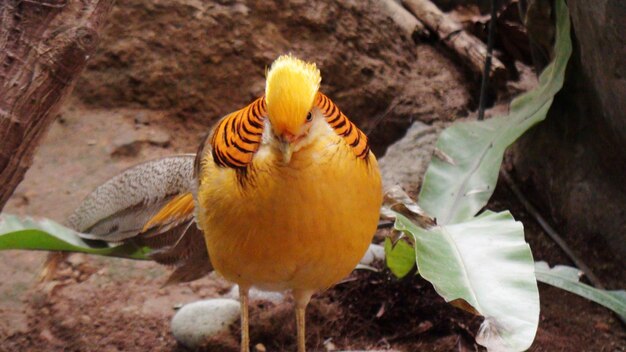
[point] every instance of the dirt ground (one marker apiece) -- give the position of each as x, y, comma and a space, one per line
102, 304
143, 97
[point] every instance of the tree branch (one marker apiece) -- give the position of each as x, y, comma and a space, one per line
44, 46
468, 47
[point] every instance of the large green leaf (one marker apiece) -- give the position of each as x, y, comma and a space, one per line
459, 184
486, 263
567, 278
44, 234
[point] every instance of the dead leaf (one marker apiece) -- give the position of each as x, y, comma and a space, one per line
462, 304
396, 200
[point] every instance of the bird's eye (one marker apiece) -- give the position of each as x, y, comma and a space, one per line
309, 117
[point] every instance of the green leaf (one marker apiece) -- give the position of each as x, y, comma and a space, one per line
486, 263
460, 182
400, 258
44, 234
567, 278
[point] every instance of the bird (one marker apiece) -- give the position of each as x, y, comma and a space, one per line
284, 194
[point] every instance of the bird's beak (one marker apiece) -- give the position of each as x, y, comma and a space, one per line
286, 140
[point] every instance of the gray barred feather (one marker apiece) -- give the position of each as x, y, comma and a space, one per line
120, 207
117, 211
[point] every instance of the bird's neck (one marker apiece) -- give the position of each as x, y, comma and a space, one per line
320, 134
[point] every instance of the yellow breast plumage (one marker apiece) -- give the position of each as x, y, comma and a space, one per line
303, 225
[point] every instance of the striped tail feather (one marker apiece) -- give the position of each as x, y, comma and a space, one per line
150, 204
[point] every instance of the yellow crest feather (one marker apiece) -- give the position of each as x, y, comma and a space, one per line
290, 91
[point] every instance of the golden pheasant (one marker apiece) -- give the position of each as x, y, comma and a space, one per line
285, 191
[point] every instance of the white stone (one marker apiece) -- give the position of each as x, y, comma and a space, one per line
195, 323
374, 253
257, 295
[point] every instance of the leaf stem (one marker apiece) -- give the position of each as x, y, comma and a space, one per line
487, 67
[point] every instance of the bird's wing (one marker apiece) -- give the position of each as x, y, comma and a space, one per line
150, 204
120, 208
176, 240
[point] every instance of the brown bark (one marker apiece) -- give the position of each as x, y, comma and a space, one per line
411, 26
44, 45
468, 47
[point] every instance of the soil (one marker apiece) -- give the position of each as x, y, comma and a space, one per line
144, 84
103, 304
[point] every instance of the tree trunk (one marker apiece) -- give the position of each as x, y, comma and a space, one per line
44, 45
576, 159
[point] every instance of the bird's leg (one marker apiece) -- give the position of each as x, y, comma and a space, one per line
245, 336
300, 321
302, 299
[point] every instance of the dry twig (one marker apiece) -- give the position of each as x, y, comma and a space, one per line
465, 45
404, 19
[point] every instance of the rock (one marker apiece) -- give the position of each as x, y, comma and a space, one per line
374, 253
85, 319
141, 118
158, 137
406, 160
127, 143
76, 259
329, 345
257, 295
197, 323
130, 142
